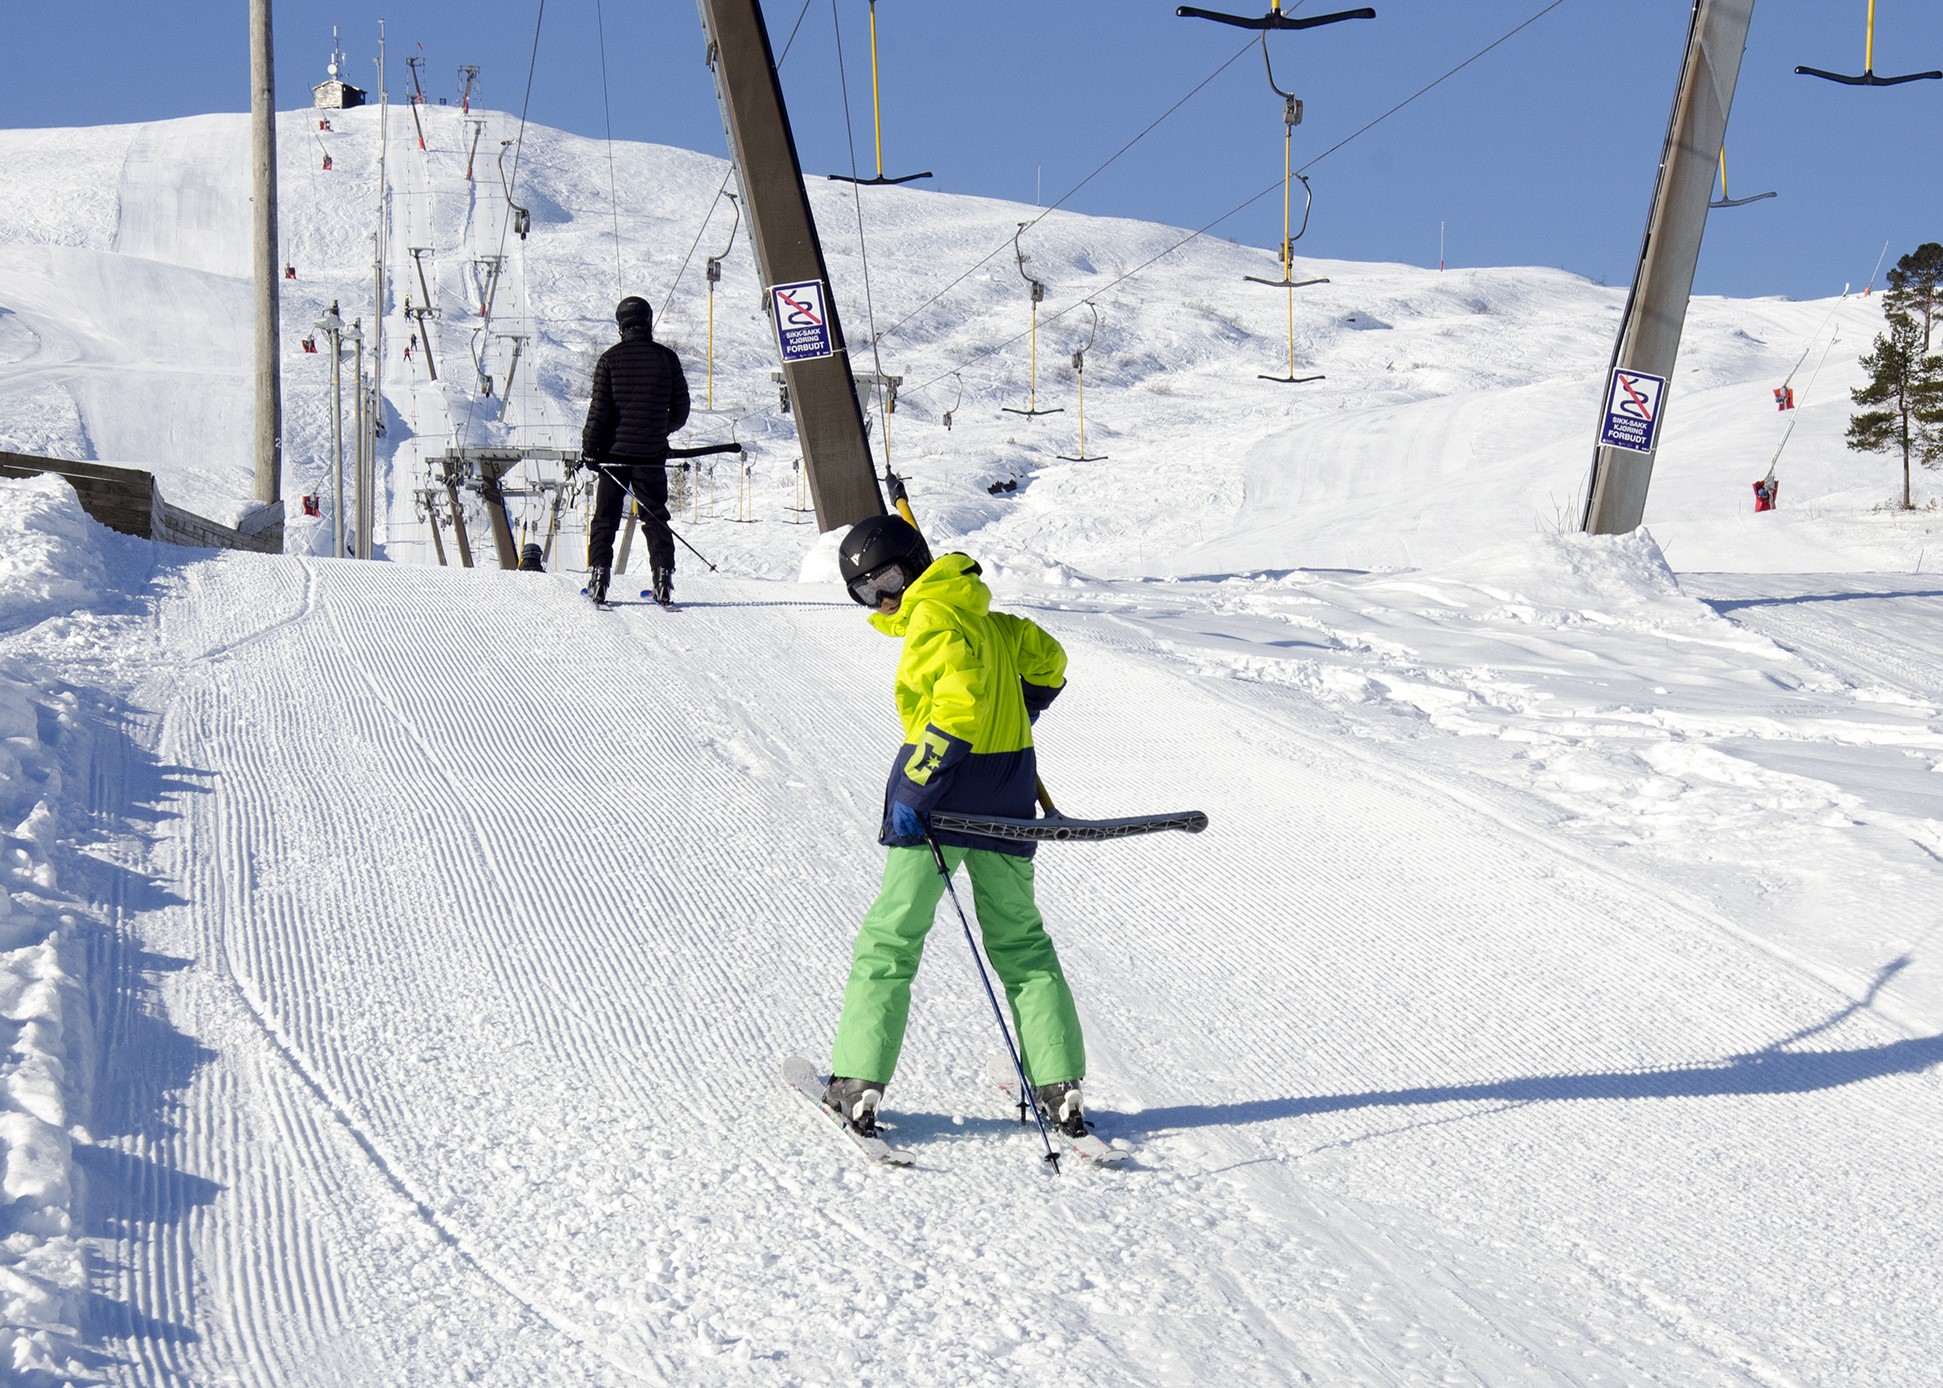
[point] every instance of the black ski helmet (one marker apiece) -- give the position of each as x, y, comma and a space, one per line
882, 542
634, 312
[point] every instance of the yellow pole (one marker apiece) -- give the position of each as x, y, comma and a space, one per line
876, 118
1723, 173
1032, 380
711, 346
1869, 46
1288, 168
1288, 246
1082, 412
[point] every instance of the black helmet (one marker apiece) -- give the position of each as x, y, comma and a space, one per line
881, 557
634, 312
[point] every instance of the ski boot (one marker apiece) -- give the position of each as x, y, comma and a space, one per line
855, 1101
664, 587
1060, 1106
597, 586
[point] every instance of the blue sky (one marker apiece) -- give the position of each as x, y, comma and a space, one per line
1542, 152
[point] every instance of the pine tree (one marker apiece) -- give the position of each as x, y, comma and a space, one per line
1910, 383
1916, 287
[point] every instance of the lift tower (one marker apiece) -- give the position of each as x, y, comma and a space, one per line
829, 421
1656, 310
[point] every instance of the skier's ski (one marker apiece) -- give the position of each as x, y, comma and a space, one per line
802, 1077
1059, 827
1086, 1151
671, 606
600, 604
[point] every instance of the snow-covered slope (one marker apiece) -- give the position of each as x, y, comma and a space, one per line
395, 961
444, 936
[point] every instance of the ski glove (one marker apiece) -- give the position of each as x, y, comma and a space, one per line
907, 822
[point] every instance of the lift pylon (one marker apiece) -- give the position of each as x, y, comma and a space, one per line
877, 120
1868, 77
1031, 409
1079, 369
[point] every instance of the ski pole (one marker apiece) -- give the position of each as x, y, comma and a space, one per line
938, 857
646, 514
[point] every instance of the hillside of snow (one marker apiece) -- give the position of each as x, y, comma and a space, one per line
1457, 408
395, 961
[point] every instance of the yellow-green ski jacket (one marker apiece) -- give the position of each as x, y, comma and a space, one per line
969, 683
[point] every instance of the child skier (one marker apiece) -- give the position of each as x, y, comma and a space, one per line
970, 682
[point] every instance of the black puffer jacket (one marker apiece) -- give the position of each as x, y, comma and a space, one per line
640, 396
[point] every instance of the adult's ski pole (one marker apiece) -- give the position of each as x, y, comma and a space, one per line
646, 514
944, 871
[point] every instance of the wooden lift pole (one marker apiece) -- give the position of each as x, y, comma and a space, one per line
823, 398
268, 436
1656, 310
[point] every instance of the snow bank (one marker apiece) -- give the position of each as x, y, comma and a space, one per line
50, 552
49, 561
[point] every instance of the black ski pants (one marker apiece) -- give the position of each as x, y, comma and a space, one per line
648, 480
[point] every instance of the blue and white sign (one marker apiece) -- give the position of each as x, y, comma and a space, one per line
1633, 410
802, 321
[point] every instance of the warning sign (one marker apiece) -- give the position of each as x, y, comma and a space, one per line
1633, 411
802, 323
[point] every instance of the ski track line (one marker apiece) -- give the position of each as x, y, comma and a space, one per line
227, 736
283, 972
196, 1149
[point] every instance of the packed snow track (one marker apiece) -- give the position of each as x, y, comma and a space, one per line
450, 933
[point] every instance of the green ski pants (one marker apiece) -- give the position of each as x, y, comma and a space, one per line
877, 1000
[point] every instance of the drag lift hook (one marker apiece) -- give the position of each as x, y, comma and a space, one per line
1868, 77
877, 122
1274, 19
1079, 369
1291, 117
713, 273
522, 219
1725, 200
1038, 296
946, 421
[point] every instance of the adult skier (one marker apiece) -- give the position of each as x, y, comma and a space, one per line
970, 683
640, 397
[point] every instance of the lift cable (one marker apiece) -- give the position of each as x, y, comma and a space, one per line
519, 139
682, 269
607, 115
863, 251
1794, 416
1248, 202
1007, 243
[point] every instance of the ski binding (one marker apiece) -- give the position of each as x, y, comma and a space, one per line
803, 1077
1090, 1150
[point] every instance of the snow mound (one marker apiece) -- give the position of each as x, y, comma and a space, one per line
50, 550
50, 561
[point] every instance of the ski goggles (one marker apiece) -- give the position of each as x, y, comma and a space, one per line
884, 581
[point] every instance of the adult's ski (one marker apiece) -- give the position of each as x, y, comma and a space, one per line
801, 1076
1090, 1150
1058, 828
